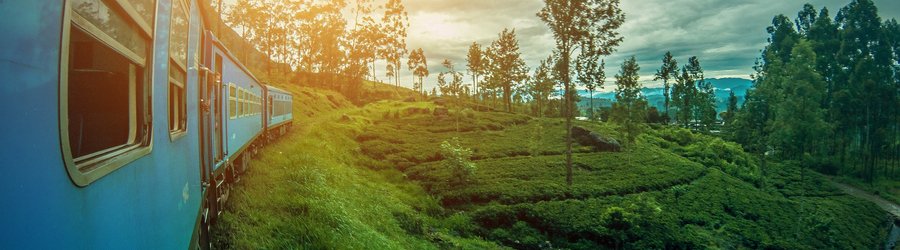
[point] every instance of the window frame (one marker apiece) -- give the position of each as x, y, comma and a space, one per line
89, 168
232, 101
180, 129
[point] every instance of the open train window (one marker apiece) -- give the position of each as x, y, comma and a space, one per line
104, 87
178, 43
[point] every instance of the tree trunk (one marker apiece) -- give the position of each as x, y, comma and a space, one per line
507, 98
591, 92
568, 113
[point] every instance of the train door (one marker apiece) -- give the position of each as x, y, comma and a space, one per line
206, 90
217, 135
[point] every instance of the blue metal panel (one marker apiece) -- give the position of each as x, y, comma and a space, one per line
151, 203
239, 131
35, 188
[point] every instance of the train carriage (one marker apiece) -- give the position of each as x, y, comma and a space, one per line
126, 123
279, 112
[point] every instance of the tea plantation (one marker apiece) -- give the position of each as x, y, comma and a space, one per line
670, 189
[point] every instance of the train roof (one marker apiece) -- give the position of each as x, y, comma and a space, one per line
232, 57
276, 89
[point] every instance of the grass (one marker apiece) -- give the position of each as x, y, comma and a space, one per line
373, 177
306, 192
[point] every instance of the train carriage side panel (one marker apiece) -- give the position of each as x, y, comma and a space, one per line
149, 200
242, 102
280, 107
36, 190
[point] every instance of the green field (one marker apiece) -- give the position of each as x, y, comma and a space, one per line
373, 177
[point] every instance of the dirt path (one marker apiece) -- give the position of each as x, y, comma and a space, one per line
885, 205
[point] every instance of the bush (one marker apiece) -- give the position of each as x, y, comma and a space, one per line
458, 160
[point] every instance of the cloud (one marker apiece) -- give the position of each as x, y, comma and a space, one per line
726, 35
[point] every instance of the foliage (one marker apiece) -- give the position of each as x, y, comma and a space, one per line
458, 160
477, 64
576, 24
540, 86
666, 72
418, 64
505, 66
826, 91
710, 151
393, 45
590, 73
454, 87
630, 108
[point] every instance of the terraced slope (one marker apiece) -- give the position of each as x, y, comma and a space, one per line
670, 189
374, 177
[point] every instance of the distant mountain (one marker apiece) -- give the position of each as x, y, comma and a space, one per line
722, 87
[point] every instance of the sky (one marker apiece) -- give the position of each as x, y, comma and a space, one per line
726, 35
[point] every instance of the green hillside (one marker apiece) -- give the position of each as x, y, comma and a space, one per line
374, 177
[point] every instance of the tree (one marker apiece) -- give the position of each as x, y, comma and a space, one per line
368, 34
666, 72
630, 108
418, 64
541, 86
396, 23
731, 110
805, 19
453, 87
507, 68
799, 121
683, 94
573, 23
590, 70
476, 63
694, 97
704, 96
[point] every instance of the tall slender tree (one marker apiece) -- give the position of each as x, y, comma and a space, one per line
542, 85
731, 109
799, 121
418, 64
475, 62
666, 72
630, 108
573, 23
507, 68
396, 24
590, 73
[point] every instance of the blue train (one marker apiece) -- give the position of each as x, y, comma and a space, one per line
125, 124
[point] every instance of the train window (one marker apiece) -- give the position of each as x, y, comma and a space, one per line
178, 41
240, 102
177, 109
244, 103
232, 100
104, 88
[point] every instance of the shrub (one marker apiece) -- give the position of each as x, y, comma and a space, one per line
458, 160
